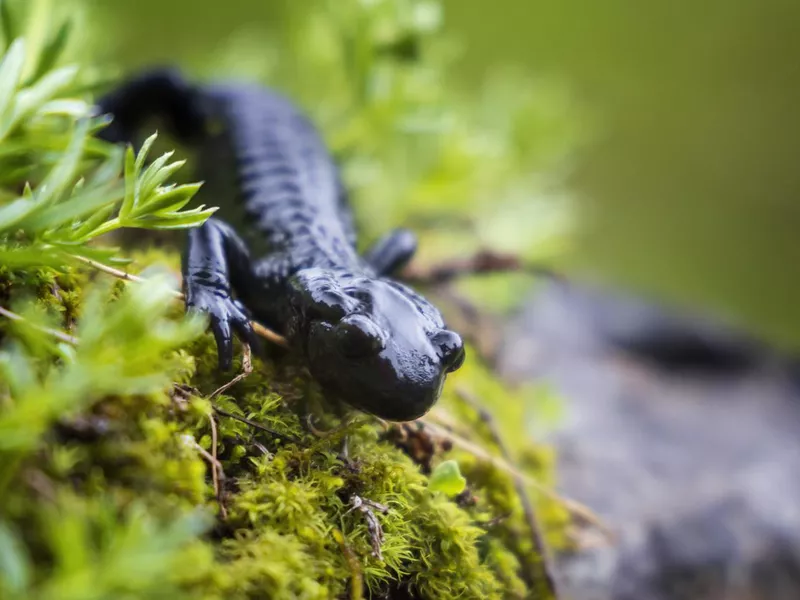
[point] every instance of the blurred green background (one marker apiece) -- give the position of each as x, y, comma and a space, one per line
665, 131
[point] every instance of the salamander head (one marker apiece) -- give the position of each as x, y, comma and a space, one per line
373, 343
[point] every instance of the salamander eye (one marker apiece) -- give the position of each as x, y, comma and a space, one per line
450, 348
358, 337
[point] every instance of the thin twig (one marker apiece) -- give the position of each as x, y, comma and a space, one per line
64, 337
216, 469
215, 477
125, 276
537, 538
259, 329
257, 425
270, 335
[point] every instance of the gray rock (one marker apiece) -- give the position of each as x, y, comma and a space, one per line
695, 469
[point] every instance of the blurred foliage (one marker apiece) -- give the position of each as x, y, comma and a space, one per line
690, 190
60, 187
113, 463
465, 169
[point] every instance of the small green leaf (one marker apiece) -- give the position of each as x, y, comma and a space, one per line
143, 152
10, 73
447, 478
130, 184
109, 171
30, 256
171, 200
157, 173
88, 229
52, 51
79, 206
65, 171
181, 220
30, 99
66, 107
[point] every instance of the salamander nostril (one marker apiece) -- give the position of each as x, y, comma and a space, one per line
455, 359
451, 349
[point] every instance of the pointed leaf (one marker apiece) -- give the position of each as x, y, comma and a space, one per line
66, 107
144, 151
31, 99
52, 50
109, 171
65, 170
88, 229
152, 171
171, 200
157, 173
30, 256
78, 207
181, 220
13, 212
10, 73
130, 184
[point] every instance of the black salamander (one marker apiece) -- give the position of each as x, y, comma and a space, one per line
367, 339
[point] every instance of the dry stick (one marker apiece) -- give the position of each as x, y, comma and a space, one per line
530, 516
259, 329
247, 368
216, 477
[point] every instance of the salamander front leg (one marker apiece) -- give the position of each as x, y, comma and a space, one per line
392, 252
215, 257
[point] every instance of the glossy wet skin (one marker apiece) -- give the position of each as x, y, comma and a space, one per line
374, 343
